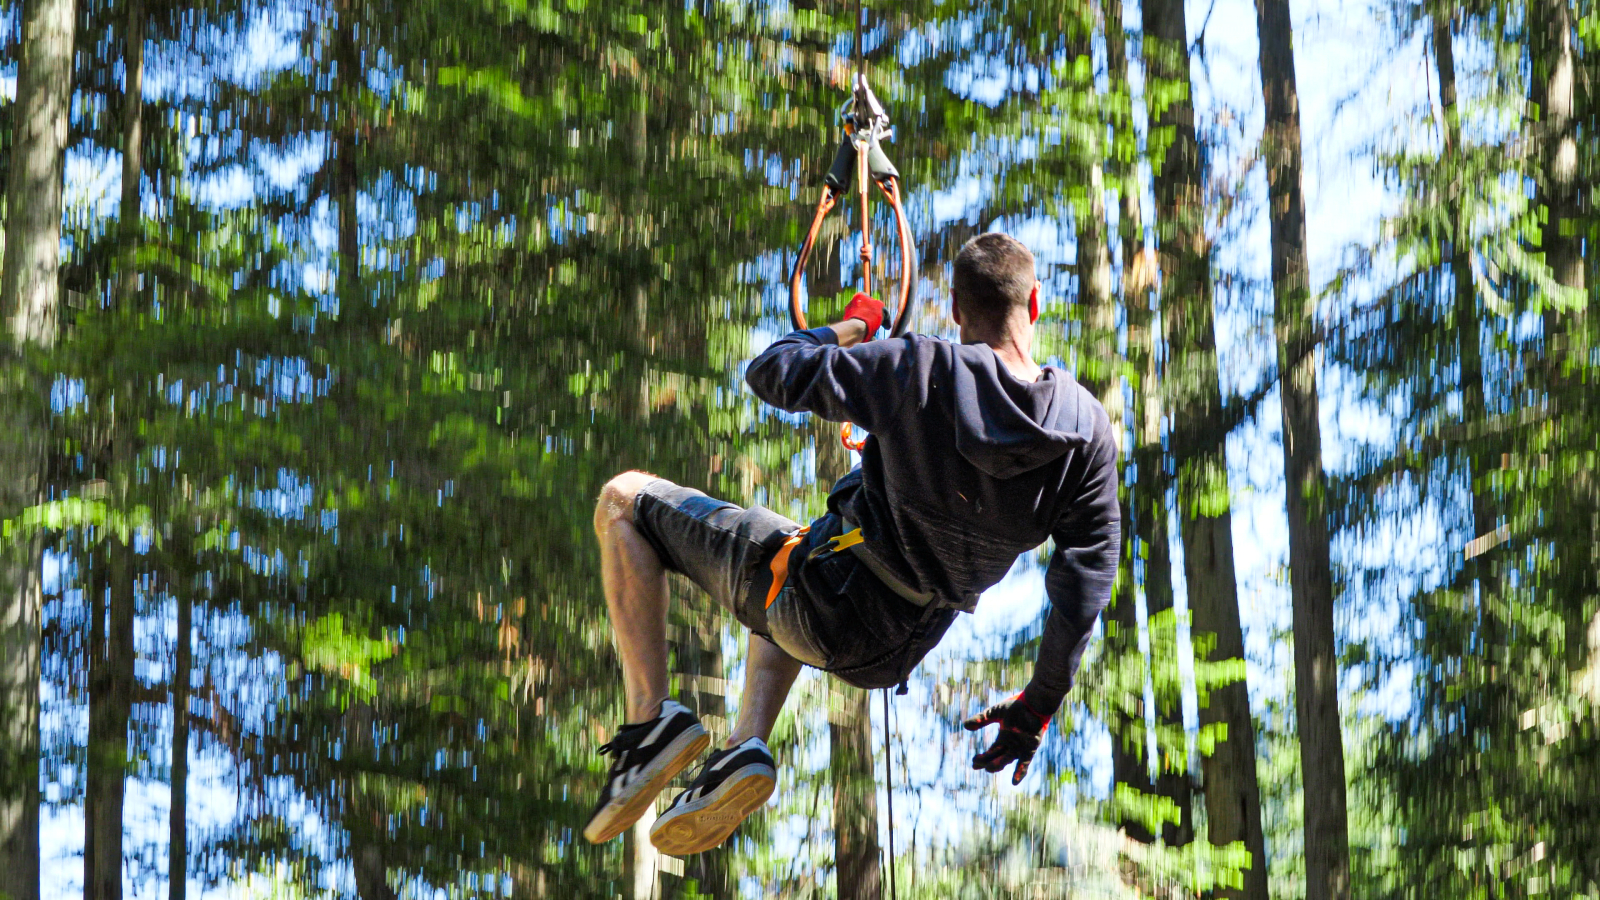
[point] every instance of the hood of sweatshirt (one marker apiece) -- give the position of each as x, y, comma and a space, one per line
1015, 426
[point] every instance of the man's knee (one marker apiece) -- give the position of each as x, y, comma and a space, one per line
616, 499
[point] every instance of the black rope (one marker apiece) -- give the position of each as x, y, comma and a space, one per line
861, 55
888, 768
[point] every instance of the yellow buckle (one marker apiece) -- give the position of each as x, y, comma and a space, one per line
845, 541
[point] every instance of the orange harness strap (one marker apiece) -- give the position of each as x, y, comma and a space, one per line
780, 564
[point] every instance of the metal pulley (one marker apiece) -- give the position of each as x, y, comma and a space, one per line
860, 158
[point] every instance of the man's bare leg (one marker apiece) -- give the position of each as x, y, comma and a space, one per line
635, 584
768, 674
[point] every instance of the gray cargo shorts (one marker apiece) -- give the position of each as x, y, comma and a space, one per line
728, 551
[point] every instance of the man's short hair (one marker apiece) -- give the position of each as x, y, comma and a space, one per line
994, 276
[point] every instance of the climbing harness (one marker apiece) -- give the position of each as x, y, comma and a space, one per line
855, 542
860, 158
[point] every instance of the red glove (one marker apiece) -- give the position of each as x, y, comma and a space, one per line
1020, 730
864, 307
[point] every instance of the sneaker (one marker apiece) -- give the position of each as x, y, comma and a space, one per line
645, 757
731, 785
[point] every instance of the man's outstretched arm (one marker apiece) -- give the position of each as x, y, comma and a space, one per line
1088, 542
1078, 582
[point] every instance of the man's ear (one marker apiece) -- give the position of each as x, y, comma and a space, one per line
1033, 304
955, 309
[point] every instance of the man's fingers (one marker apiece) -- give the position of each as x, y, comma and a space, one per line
988, 717
994, 759
1021, 771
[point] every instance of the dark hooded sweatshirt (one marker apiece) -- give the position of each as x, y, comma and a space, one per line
967, 467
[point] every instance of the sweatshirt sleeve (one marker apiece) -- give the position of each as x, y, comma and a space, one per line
807, 371
1088, 540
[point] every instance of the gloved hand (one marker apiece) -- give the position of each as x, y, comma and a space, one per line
1020, 730
867, 309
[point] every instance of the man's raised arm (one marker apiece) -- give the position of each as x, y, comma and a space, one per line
820, 371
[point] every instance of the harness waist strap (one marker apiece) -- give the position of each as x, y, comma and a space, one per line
853, 541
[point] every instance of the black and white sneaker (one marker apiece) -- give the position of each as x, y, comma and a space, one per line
645, 757
731, 785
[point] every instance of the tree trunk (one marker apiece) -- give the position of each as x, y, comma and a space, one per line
372, 873
178, 836
132, 155
1560, 189
701, 658
344, 181
1129, 734
1561, 192
20, 636
850, 766
29, 299
1173, 780
855, 795
1232, 794
30, 288
1316, 662
1469, 334
110, 705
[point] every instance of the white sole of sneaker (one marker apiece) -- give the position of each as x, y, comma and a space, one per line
699, 825
624, 810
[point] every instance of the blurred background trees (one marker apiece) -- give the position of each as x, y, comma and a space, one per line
326, 321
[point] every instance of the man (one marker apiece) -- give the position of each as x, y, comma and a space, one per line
976, 455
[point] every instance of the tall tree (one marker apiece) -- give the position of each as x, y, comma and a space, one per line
178, 817
111, 660
1130, 737
855, 799
110, 707
1469, 336
1205, 515
29, 300
129, 218
1316, 661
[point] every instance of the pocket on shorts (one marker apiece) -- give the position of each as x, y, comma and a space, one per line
790, 622
860, 619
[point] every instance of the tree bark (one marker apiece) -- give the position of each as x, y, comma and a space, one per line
1173, 780
1469, 334
132, 155
641, 861
1561, 192
858, 870
178, 836
1316, 662
1129, 733
110, 705
29, 291
29, 300
855, 795
701, 658
1205, 517
372, 873
1560, 189
20, 638
348, 56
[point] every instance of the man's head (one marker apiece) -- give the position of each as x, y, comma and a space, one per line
994, 288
